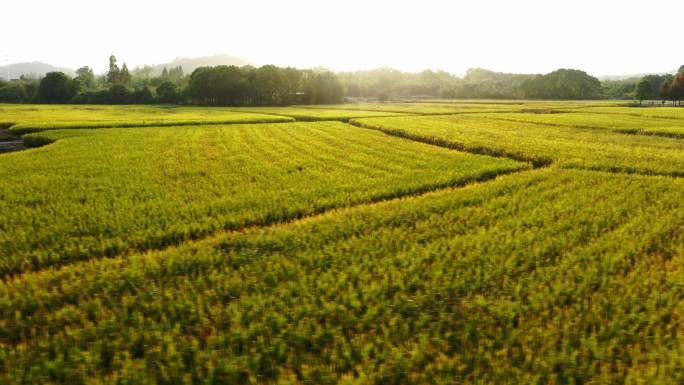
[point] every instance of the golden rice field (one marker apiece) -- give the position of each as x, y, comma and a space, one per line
432, 242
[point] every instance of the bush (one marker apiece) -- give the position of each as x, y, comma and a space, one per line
142, 96
119, 94
35, 140
56, 87
168, 92
92, 97
12, 93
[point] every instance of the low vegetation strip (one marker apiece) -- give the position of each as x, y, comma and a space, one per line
446, 107
419, 108
237, 118
99, 193
31, 118
658, 112
614, 122
566, 146
312, 114
511, 281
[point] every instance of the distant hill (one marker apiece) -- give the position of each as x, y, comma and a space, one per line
33, 69
190, 64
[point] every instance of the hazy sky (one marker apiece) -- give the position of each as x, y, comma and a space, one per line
601, 37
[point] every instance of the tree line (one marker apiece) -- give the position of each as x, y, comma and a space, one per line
263, 86
662, 87
386, 83
270, 85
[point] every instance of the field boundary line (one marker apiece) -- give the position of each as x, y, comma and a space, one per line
31, 130
299, 118
536, 162
631, 131
387, 197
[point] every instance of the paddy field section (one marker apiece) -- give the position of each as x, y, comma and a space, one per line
315, 114
661, 112
22, 119
628, 124
103, 192
446, 107
542, 144
434, 242
469, 285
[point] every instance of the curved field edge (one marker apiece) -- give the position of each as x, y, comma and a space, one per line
26, 128
306, 114
536, 162
626, 131
641, 154
422, 289
362, 171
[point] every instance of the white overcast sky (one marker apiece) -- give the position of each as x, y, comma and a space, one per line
601, 37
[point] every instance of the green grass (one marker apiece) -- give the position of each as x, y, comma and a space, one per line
421, 108
313, 114
445, 107
33, 118
661, 112
626, 123
324, 253
97, 193
568, 147
551, 276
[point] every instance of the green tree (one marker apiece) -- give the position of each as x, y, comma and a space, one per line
119, 94
113, 72
56, 87
176, 74
292, 79
85, 77
269, 85
12, 93
124, 76
665, 91
142, 95
562, 84
643, 89
141, 76
143, 72
323, 88
168, 92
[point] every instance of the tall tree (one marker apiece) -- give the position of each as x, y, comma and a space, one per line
124, 76
56, 87
113, 72
269, 85
167, 92
176, 74
643, 89
85, 77
677, 88
665, 91
143, 72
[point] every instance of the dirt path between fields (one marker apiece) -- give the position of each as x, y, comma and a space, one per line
14, 145
10, 142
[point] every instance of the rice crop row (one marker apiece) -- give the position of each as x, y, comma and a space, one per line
566, 146
549, 276
97, 193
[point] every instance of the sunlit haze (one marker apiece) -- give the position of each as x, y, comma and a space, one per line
600, 37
